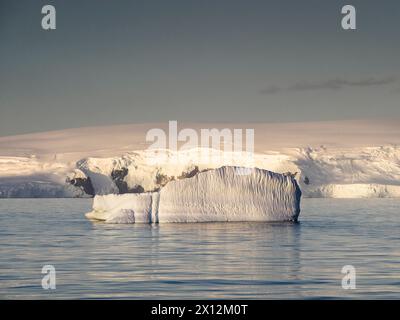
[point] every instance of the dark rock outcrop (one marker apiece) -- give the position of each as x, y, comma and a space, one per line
84, 183
118, 176
189, 174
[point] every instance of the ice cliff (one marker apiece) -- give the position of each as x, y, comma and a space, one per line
223, 194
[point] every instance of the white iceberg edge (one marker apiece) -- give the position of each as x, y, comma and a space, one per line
224, 194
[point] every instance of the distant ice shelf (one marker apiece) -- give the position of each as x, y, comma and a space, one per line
223, 194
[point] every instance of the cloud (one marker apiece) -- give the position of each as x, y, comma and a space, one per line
330, 84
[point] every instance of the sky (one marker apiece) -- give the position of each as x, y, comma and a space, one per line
114, 62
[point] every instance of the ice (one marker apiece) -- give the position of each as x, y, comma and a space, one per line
356, 191
339, 159
223, 194
321, 172
124, 208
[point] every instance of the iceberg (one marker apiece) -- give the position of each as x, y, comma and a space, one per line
223, 194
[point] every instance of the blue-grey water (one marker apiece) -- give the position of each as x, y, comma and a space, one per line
204, 260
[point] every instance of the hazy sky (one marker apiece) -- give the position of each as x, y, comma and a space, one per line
132, 61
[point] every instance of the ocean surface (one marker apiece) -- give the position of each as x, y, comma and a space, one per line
206, 260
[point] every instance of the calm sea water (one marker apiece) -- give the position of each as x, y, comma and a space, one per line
205, 260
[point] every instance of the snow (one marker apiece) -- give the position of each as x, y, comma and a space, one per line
113, 141
356, 191
36, 187
258, 196
99, 171
28, 177
350, 173
145, 170
357, 158
321, 172
124, 208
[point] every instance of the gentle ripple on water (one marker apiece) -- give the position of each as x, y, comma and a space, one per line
204, 260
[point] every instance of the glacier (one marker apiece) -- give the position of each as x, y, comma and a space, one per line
350, 159
323, 172
223, 194
368, 172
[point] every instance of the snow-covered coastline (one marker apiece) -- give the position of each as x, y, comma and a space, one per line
363, 161
372, 172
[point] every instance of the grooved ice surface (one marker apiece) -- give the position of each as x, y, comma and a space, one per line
224, 194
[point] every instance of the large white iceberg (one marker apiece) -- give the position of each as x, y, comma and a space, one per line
224, 194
